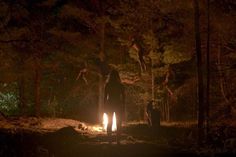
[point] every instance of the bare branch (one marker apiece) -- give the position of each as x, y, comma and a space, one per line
13, 41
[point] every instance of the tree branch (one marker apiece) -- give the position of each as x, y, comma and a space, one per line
14, 40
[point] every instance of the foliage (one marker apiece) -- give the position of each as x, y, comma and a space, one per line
8, 103
60, 37
173, 55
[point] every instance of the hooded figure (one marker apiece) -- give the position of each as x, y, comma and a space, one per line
114, 98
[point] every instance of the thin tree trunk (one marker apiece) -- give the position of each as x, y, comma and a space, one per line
21, 85
101, 79
37, 81
222, 89
22, 99
153, 81
168, 110
200, 74
208, 69
165, 110
100, 97
168, 95
123, 50
152, 85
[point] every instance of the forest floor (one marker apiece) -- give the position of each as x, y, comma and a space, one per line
54, 137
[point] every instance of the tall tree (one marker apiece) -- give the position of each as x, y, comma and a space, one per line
199, 72
102, 59
208, 69
22, 84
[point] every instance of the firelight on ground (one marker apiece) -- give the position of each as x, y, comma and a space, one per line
105, 121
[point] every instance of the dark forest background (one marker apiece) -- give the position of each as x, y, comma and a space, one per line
55, 56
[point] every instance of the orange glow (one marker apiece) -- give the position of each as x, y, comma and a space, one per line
105, 122
114, 127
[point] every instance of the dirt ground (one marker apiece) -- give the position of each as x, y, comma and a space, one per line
65, 137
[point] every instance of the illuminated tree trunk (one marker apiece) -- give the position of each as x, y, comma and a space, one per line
168, 95
153, 82
200, 74
166, 107
100, 98
101, 79
167, 110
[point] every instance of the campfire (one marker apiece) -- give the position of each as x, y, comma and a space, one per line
105, 121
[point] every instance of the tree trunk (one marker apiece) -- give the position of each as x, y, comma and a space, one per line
22, 99
200, 73
167, 110
100, 97
208, 70
101, 79
169, 95
222, 89
21, 85
153, 81
37, 81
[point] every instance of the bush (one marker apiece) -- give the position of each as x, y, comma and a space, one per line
8, 103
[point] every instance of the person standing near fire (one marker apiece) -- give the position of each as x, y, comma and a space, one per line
114, 99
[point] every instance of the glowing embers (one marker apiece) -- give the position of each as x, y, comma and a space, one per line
105, 122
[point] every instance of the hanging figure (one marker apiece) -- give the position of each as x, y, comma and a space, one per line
138, 46
114, 99
83, 73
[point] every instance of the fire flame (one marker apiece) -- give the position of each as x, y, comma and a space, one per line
105, 122
114, 127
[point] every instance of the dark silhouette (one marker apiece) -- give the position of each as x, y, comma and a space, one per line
114, 98
155, 118
201, 91
149, 111
153, 115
